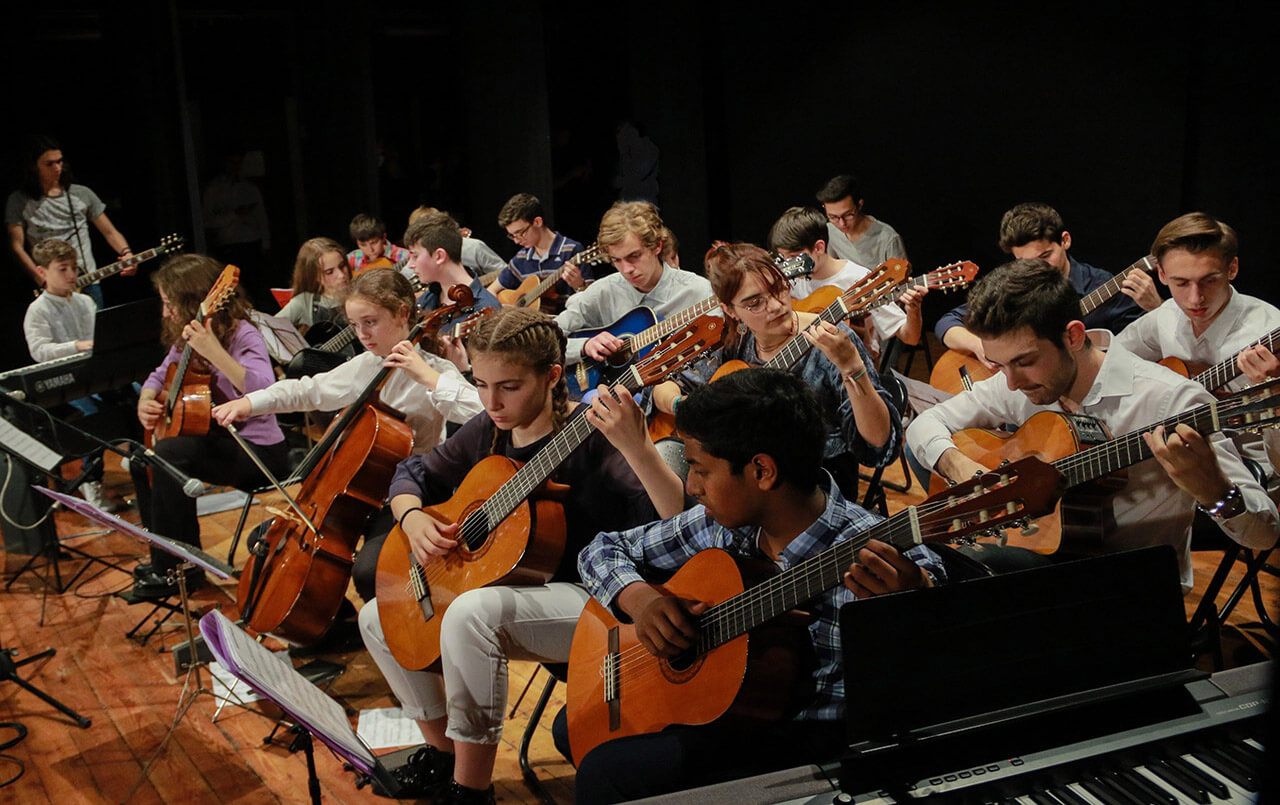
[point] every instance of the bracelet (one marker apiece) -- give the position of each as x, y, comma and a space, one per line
676, 402
854, 377
400, 522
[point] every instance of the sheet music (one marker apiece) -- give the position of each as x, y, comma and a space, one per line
387, 728
27, 447
278, 681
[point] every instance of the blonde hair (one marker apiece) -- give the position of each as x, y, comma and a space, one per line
639, 218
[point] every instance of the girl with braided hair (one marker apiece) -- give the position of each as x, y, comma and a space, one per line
615, 479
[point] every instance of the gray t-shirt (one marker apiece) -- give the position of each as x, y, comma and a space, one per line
877, 244
63, 217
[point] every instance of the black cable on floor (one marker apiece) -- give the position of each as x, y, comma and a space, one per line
21, 733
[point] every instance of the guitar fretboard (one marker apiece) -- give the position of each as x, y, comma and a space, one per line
591, 254
795, 349
1222, 373
1100, 295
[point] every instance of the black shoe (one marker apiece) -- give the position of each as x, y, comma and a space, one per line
454, 794
423, 774
144, 569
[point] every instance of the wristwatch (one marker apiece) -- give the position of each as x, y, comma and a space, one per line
1229, 506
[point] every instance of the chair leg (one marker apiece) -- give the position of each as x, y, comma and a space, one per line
235, 540
531, 779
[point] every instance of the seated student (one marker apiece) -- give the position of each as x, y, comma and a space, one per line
435, 248
320, 276
804, 230
1028, 317
1035, 231
58, 324
631, 233
518, 361
862, 423
373, 250
237, 359
754, 442
670, 248
476, 255
542, 250
428, 391
852, 234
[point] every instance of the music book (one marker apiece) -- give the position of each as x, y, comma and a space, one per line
279, 682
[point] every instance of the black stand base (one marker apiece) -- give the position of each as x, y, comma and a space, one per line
9, 671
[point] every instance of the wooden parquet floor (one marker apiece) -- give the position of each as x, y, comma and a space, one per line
131, 693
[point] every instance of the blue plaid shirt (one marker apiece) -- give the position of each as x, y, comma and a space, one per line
614, 559
526, 264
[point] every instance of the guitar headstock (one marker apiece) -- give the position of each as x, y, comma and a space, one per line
680, 348
170, 244
221, 292
799, 266
1006, 497
463, 327
1254, 408
591, 255
883, 279
952, 277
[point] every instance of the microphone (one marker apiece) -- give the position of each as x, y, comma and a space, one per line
192, 487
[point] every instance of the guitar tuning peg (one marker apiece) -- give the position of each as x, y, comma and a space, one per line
1029, 528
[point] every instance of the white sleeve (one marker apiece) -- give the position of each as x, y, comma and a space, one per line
39, 335
455, 398
327, 391
1142, 336
580, 312
987, 405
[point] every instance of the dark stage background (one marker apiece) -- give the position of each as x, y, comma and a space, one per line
1122, 117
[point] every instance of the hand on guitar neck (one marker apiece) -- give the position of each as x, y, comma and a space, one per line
205, 343
956, 466
1258, 363
1190, 462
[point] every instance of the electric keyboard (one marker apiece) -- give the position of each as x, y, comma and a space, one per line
51, 383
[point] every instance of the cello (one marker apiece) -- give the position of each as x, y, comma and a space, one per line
298, 572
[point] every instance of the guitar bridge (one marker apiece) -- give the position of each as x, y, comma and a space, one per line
421, 591
612, 676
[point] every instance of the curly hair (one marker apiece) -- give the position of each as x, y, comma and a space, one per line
186, 280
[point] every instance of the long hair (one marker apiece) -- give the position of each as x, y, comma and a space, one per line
37, 146
306, 267
527, 338
185, 280
728, 265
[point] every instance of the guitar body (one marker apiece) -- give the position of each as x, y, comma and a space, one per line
322, 331
511, 298
295, 590
588, 374
663, 425
757, 677
946, 371
817, 301
193, 410
1184, 368
1049, 436
524, 549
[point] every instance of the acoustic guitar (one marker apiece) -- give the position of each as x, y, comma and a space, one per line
886, 276
640, 329
951, 277
946, 375
1081, 448
509, 532
738, 668
531, 290
1220, 374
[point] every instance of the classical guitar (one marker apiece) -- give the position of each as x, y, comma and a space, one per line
510, 532
640, 329
187, 398
169, 245
1220, 374
946, 374
886, 277
951, 277
297, 574
531, 290
738, 667
1081, 448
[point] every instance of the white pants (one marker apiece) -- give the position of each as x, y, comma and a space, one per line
481, 630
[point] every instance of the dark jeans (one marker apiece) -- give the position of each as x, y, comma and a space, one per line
365, 570
215, 459
682, 757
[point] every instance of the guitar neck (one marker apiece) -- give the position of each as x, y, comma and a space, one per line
179, 375
896, 293
1103, 293
343, 337
664, 328
1223, 372
554, 277
85, 280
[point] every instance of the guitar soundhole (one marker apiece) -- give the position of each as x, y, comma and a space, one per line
682, 667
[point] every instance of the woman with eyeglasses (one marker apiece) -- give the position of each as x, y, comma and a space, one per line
756, 299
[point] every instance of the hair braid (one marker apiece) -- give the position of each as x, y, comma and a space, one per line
530, 339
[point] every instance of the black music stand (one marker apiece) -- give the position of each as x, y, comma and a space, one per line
9, 672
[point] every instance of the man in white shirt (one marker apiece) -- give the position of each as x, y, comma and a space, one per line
631, 234
1027, 315
803, 230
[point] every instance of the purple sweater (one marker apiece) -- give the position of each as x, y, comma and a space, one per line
249, 349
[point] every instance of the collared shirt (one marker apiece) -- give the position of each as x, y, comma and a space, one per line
1129, 394
606, 300
886, 320
1114, 315
248, 348
54, 324
821, 375
615, 559
425, 410
527, 263
359, 261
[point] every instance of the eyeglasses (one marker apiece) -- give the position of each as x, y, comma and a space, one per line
754, 304
520, 233
844, 218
